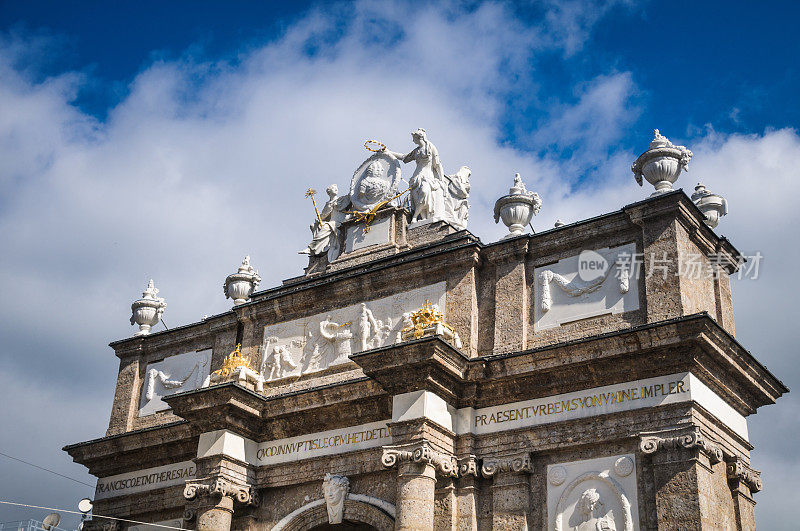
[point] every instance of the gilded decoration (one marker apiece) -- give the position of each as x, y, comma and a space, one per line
233, 361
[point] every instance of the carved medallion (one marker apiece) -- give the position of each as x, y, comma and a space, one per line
374, 181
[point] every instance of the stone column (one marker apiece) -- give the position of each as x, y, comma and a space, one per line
679, 464
417, 466
511, 490
215, 497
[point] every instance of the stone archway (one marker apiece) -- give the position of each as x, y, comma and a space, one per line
360, 512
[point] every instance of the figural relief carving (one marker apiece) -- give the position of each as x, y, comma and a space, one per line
586, 285
315, 343
335, 490
593, 495
183, 372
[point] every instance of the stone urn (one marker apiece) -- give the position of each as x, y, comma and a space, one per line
712, 206
148, 310
661, 164
240, 285
517, 208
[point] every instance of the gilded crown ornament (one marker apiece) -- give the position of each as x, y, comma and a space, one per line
233, 361
428, 321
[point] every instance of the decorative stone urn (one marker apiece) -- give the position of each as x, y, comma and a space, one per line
661, 164
240, 285
517, 208
712, 206
148, 310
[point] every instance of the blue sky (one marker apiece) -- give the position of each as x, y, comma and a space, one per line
167, 140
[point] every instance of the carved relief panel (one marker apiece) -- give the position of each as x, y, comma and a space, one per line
595, 282
593, 495
324, 340
171, 375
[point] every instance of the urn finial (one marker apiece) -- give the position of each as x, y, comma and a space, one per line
712, 206
517, 208
240, 285
147, 311
661, 164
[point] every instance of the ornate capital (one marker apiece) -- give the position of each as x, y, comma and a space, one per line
219, 486
468, 466
693, 440
420, 452
516, 464
738, 470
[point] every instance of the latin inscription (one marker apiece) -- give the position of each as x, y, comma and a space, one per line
143, 480
594, 400
324, 443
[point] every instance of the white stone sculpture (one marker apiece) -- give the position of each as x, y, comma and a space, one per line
148, 310
457, 198
240, 285
335, 490
574, 288
712, 206
330, 345
182, 372
517, 208
374, 181
325, 229
559, 223
592, 283
661, 164
366, 326
593, 495
316, 342
277, 362
434, 195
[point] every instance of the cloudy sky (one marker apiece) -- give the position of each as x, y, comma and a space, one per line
146, 141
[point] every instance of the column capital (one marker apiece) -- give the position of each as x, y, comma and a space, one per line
420, 452
738, 470
693, 440
220, 486
514, 463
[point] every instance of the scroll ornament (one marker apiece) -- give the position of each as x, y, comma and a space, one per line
219, 486
515, 464
739, 470
693, 440
421, 452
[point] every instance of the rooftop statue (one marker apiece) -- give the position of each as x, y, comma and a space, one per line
434, 195
325, 230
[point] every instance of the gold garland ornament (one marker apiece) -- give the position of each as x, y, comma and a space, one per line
424, 318
369, 216
233, 361
381, 144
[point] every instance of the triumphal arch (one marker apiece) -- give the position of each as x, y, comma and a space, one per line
414, 377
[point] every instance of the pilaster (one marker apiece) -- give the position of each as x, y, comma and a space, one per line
511, 487
680, 463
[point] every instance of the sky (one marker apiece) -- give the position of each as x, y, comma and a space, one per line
167, 140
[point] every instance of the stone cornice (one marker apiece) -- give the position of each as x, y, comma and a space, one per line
420, 452
421, 364
692, 440
738, 470
694, 343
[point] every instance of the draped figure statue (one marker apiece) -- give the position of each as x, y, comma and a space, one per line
428, 186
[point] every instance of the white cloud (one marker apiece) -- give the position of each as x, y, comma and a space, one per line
205, 161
